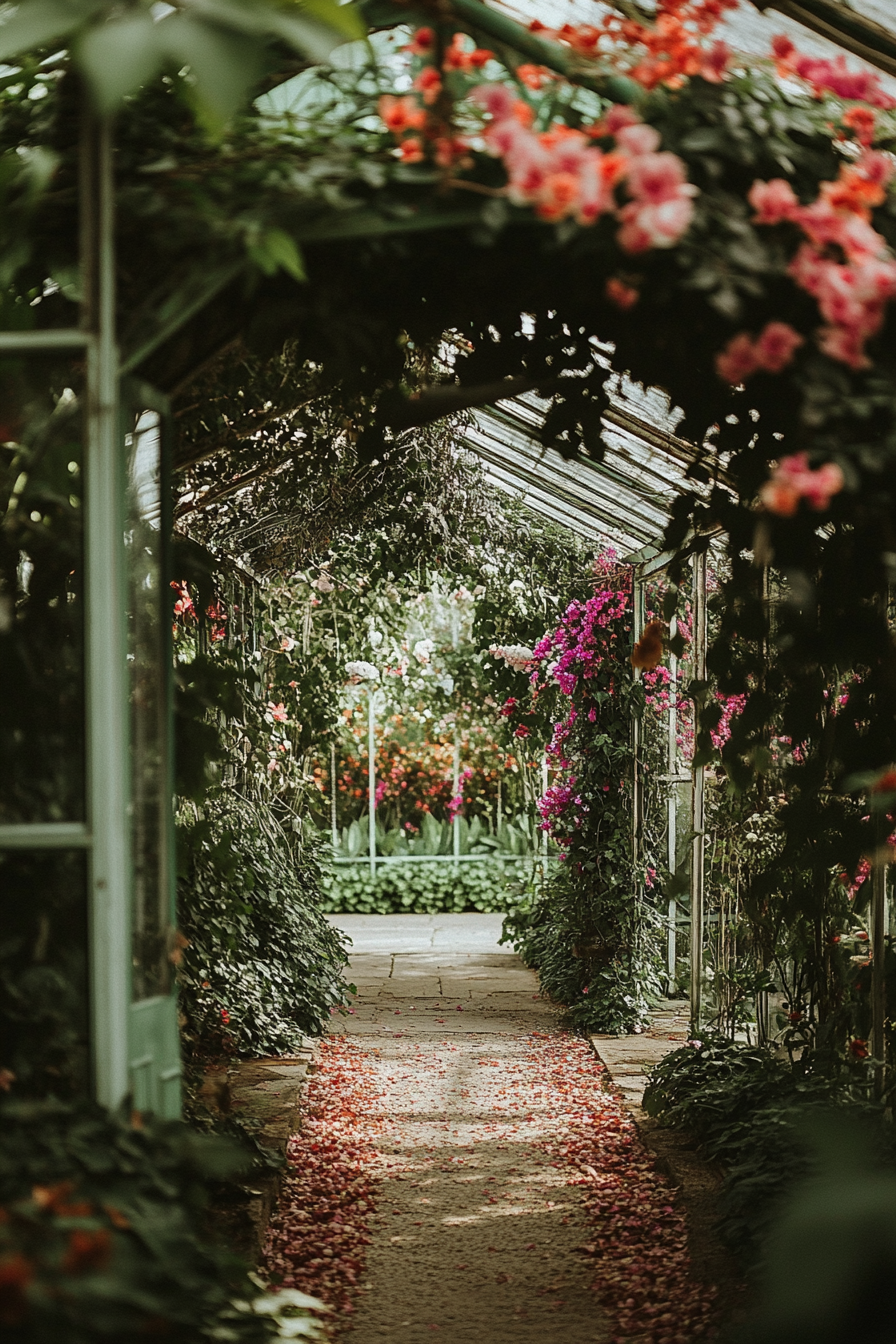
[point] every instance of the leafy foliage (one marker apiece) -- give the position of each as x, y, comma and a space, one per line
592, 932
261, 966
427, 888
752, 1113
103, 1238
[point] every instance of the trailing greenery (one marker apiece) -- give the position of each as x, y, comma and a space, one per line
104, 1237
592, 931
490, 887
750, 1110
261, 966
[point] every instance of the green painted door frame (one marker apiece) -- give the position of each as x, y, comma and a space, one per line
128, 831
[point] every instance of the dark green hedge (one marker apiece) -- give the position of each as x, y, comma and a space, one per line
491, 887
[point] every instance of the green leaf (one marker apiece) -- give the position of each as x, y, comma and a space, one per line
345, 19
35, 23
224, 65
277, 251
119, 56
308, 38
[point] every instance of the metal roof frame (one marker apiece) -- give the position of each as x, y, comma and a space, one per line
624, 500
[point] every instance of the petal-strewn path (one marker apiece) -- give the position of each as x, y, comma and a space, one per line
462, 1172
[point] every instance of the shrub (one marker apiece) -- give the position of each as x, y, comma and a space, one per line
603, 981
750, 1110
427, 888
262, 966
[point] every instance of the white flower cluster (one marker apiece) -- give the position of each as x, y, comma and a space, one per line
517, 656
361, 671
422, 650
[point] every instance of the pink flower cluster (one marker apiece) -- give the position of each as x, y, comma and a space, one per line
563, 175
844, 263
830, 76
772, 350
731, 705
579, 650
793, 479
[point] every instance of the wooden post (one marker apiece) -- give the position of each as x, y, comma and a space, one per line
698, 810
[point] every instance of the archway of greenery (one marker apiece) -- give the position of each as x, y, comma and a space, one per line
350, 276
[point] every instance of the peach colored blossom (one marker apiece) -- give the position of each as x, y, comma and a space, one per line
773, 201
638, 139
776, 345
623, 295
401, 114
780, 497
738, 360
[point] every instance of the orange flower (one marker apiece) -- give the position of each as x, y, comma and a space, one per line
411, 149
560, 191
87, 1250
55, 1198
861, 121
533, 76
401, 114
648, 652
429, 84
623, 295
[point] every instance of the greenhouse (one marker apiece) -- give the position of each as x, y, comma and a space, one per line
447, 670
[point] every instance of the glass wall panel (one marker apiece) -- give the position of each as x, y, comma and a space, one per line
148, 659
41, 575
44, 1005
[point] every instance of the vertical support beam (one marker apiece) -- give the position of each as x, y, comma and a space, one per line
455, 790
106, 633
672, 807
334, 830
878, 968
697, 799
371, 776
638, 587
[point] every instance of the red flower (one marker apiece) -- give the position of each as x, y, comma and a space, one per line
858, 1048
421, 44
15, 1274
618, 292
429, 83
225, 1017
521, 731
87, 1250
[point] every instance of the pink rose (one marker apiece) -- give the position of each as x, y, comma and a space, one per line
773, 201
776, 345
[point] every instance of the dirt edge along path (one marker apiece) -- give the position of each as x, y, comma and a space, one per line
318, 1236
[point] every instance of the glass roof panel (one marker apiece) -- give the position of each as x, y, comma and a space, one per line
624, 500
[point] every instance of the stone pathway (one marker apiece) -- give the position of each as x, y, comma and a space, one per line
476, 1232
442, 974
628, 1057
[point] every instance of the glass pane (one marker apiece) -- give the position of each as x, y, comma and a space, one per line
44, 1006
41, 575
147, 658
